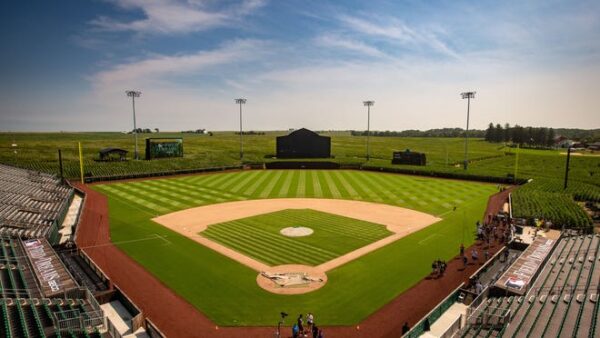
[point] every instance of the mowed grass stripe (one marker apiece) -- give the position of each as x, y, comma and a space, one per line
307, 219
144, 196
269, 187
301, 190
360, 185
159, 193
218, 193
384, 186
172, 190
253, 190
243, 185
285, 187
294, 185
152, 207
354, 227
349, 228
204, 197
335, 192
214, 194
285, 247
267, 256
316, 185
222, 178
274, 253
236, 179
253, 228
323, 184
278, 184
376, 188
346, 185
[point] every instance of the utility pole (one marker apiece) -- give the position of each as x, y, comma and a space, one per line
241, 101
133, 94
368, 104
468, 96
567, 167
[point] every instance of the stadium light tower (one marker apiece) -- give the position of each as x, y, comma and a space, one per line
468, 96
133, 94
241, 101
368, 104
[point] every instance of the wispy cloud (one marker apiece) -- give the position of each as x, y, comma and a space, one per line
173, 16
353, 45
396, 31
162, 66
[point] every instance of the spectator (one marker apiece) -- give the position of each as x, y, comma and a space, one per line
295, 331
478, 287
405, 328
315, 331
300, 324
310, 319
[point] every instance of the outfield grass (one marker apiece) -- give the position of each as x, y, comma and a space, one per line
226, 291
259, 236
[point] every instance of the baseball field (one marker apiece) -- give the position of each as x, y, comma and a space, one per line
226, 290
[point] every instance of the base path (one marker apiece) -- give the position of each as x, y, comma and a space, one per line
173, 314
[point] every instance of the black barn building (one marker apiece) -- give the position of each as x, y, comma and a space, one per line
303, 143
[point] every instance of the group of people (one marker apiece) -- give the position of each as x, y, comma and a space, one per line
299, 330
438, 267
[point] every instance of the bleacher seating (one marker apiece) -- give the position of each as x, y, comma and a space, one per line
24, 318
560, 303
30, 202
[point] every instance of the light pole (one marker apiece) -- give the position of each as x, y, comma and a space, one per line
368, 104
468, 96
241, 101
133, 94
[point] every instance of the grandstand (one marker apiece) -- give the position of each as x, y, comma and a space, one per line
32, 204
561, 301
48, 286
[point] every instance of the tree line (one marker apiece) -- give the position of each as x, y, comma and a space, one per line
442, 132
531, 136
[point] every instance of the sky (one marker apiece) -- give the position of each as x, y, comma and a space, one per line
65, 65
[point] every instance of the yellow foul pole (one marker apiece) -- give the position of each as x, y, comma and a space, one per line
81, 163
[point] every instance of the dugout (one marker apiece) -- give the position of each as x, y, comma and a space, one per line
409, 157
303, 143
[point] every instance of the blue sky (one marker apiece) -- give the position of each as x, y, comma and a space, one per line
65, 65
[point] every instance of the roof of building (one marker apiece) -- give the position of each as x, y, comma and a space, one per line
112, 150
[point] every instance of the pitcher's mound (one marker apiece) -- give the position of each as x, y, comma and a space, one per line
296, 231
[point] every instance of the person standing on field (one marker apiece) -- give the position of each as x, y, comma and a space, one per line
310, 320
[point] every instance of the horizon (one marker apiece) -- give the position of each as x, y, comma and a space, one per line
310, 63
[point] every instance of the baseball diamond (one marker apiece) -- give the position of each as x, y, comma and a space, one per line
216, 284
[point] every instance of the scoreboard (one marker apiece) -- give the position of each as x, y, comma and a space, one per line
163, 147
